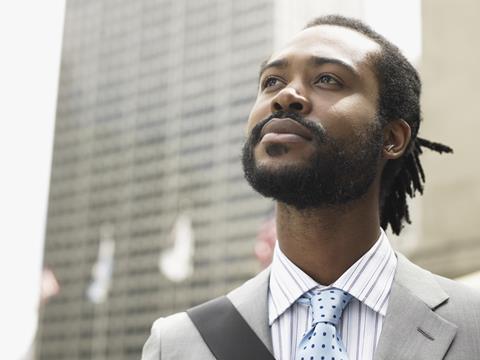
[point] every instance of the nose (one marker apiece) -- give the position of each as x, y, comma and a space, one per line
289, 99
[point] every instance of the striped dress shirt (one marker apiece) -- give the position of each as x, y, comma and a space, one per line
369, 281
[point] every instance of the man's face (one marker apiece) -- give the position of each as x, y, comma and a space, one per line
313, 135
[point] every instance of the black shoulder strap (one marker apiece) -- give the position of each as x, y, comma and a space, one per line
226, 333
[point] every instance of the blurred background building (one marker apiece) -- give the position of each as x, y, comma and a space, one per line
450, 239
152, 105
148, 209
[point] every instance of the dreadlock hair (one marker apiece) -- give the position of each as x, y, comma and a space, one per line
399, 98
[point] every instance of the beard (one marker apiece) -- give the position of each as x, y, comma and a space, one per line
338, 172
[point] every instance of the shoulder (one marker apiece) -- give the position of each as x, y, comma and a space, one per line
462, 308
431, 288
458, 290
151, 348
175, 337
462, 301
175, 323
455, 302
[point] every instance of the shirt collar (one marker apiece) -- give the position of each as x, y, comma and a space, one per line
369, 279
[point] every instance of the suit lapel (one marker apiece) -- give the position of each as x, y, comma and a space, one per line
412, 329
251, 301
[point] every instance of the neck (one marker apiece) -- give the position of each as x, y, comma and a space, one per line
325, 242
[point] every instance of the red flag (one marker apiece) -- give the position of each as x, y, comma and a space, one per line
49, 285
266, 239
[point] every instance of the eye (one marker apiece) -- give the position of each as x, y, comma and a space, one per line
329, 81
270, 82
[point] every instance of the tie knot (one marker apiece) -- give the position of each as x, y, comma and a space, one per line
327, 305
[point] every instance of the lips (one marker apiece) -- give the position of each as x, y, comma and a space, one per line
287, 127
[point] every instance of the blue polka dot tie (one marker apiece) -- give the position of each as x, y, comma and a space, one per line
321, 342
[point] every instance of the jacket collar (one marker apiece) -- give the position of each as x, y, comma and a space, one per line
251, 301
412, 329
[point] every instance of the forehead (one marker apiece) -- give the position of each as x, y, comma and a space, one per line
330, 41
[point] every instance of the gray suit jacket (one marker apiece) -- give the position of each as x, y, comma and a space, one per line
428, 318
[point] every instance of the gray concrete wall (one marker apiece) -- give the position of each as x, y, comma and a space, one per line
450, 69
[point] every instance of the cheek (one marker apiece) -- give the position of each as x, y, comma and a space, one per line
349, 115
260, 110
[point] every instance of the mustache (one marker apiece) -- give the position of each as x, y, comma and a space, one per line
317, 130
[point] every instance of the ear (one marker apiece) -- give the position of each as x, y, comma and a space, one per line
396, 135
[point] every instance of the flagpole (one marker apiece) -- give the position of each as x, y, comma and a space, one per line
97, 292
100, 331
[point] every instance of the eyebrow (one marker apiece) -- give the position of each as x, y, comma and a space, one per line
317, 60
280, 63
314, 60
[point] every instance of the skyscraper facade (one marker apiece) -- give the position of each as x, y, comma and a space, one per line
152, 104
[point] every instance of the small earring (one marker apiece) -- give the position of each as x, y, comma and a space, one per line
389, 147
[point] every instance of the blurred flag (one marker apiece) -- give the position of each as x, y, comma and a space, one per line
102, 270
266, 239
49, 285
176, 262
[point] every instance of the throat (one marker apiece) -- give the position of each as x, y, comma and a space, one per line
325, 243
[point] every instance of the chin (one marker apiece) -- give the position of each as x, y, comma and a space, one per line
277, 157
277, 166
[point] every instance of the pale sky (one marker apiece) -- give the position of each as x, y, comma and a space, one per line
30, 38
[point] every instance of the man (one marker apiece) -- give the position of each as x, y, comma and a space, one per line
333, 139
